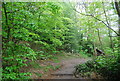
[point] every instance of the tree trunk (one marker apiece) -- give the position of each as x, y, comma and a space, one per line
117, 6
6, 21
107, 21
99, 38
95, 53
111, 42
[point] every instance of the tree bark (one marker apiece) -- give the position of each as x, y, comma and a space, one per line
107, 21
6, 21
99, 38
94, 47
117, 6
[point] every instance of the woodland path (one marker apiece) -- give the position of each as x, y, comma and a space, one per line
66, 72
67, 69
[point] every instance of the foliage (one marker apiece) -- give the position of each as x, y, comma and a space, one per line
14, 57
29, 27
106, 66
34, 31
39, 31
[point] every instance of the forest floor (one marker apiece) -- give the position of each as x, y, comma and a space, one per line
68, 68
59, 68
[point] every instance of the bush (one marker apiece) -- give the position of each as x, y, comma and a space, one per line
106, 66
14, 57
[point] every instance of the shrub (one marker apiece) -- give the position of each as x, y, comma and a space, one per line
107, 67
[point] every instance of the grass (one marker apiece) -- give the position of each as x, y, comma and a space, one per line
39, 74
35, 65
56, 67
84, 55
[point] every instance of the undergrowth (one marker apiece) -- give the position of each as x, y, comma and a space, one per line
106, 66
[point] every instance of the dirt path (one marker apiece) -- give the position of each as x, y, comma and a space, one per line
67, 69
59, 68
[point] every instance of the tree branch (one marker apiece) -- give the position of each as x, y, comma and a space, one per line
113, 36
13, 11
98, 20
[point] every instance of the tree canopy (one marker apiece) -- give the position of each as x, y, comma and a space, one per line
41, 30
